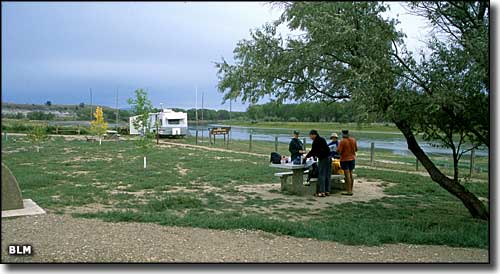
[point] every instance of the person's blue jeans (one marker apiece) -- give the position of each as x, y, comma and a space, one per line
297, 160
324, 174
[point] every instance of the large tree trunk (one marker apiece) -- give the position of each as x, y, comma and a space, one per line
470, 201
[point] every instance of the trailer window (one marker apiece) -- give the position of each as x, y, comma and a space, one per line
174, 121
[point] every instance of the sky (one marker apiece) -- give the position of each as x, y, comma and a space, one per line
57, 51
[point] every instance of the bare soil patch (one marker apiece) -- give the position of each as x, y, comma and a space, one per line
62, 238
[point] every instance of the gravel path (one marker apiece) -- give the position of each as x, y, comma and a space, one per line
62, 238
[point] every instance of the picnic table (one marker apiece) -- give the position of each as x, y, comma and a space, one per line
111, 135
297, 173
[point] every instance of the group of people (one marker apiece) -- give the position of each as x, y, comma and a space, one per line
324, 152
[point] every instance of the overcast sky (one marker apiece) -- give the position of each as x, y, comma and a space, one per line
57, 51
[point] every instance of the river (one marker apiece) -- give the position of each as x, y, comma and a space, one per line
395, 143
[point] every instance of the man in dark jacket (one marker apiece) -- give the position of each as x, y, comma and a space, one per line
320, 150
296, 148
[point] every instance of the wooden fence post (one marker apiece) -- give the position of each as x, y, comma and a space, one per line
276, 143
472, 156
372, 153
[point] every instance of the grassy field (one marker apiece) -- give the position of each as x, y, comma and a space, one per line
383, 158
223, 190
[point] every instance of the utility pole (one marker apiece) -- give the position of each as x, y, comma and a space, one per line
202, 108
196, 112
117, 112
91, 112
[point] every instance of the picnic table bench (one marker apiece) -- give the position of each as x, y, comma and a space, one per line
111, 135
297, 185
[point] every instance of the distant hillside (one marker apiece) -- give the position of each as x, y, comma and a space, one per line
58, 112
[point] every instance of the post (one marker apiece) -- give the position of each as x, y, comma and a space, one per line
202, 106
416, 164
372, 153
196, 142
304, 144
5, 134
116, 126
78, 129
472, 156
276, 143
57, 129
157, 130
91, 104
250, 141
225, 138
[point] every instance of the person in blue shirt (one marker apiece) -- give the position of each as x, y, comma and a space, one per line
296, 148
334, 143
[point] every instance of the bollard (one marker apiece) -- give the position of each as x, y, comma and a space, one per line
276, 143
372, 153
250, 141
472, 156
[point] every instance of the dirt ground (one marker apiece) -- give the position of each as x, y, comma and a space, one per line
61, 238
364, 190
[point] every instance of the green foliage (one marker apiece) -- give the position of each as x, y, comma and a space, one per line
349, 50
40, 115
37, 136
141, 106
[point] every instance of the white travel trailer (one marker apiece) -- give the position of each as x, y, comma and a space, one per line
171, 123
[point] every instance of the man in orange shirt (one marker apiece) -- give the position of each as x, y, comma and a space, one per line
347, 150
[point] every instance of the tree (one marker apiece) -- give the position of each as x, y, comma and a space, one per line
81, 105
98, 126
349, 51
37, 136
141, 107
48, 103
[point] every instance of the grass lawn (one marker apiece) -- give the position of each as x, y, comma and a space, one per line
213, 189
383, 158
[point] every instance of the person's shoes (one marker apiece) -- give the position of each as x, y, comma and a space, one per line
347, 193
327, 193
